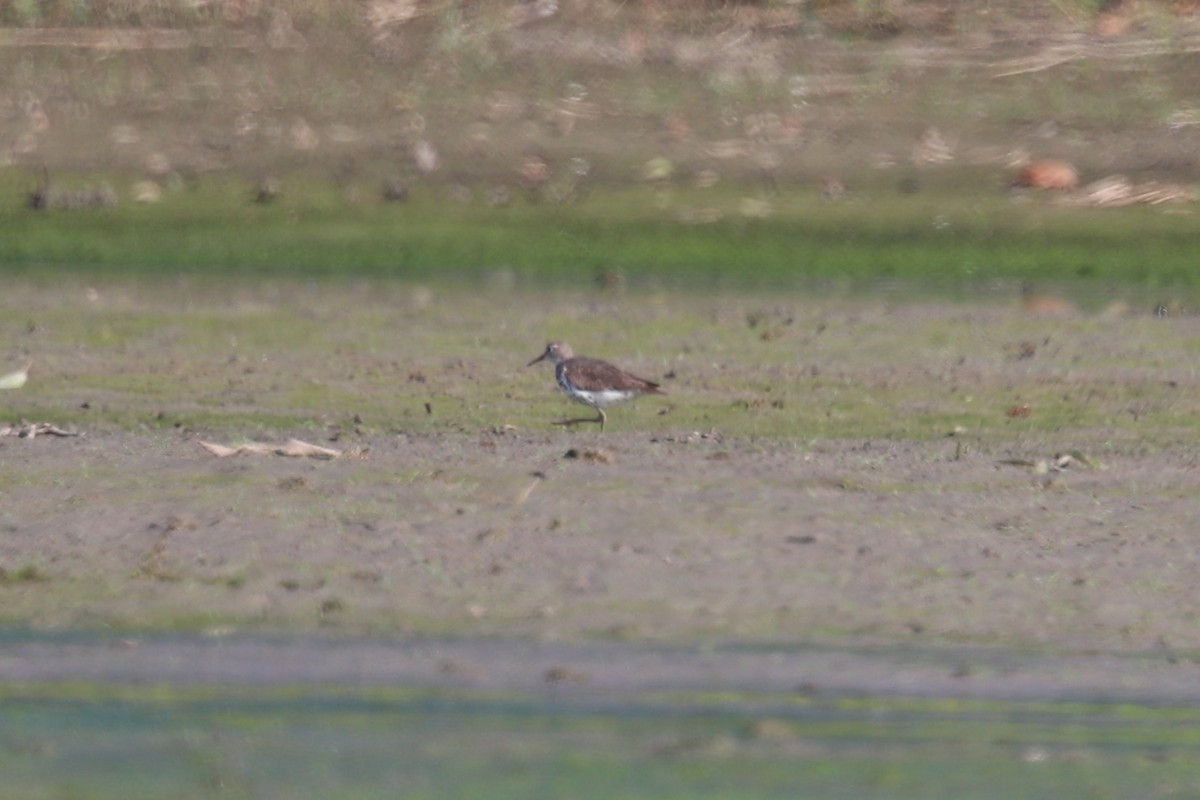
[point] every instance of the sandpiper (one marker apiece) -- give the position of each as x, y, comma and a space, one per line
592, 382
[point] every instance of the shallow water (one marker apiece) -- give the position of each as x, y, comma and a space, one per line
98, 717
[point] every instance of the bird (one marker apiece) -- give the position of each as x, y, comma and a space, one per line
592, 382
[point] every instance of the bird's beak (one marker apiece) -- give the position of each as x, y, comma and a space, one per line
542, 357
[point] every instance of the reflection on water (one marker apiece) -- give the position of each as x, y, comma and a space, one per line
88, 741
91, 717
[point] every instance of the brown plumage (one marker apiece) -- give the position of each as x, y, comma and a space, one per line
592, 382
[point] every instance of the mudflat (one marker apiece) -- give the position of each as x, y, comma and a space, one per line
833, 469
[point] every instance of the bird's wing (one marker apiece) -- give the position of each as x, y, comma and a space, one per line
593, 375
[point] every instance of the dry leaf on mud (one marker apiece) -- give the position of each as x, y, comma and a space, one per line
1073, 458
15, 380
297, 448
294, 448
32, 430
523, 495
1042, 466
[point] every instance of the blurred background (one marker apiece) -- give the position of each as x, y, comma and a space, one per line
492, 102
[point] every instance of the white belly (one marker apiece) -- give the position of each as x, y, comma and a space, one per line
601, 399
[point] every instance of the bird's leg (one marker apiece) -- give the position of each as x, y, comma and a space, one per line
580, 420
569, 422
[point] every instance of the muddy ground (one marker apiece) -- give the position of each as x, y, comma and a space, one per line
693, 517
669, 539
